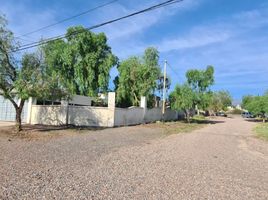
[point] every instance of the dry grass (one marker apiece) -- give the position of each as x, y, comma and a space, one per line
40, 132
176, 127
262, 130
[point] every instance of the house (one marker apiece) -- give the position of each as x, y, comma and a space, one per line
8, 113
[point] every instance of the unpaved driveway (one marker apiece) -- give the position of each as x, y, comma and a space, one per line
5, 123
220, 161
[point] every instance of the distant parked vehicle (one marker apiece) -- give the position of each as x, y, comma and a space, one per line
222, 114
247, 115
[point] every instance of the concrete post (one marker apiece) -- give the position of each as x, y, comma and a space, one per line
143, 104
65, 104
111, 100
111, 107
31, 101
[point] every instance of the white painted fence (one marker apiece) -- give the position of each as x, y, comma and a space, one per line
98, 116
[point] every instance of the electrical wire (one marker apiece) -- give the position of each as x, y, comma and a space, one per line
173, 70
157, 6
67, 19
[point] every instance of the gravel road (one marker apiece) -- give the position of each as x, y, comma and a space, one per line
221, 161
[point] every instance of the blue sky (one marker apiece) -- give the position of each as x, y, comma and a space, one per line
230, 35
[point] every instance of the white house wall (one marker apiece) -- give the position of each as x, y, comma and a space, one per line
8, 112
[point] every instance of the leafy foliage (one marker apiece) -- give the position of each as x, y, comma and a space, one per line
30, 79
220, 101
258, 105
137, 77
182, 98
200, 81
84, 60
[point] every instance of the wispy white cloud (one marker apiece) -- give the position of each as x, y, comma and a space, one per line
137, 24
219, 31
196, 38
23, 20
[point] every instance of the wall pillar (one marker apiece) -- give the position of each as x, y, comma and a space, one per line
111, 107
31, 101
143, 104
111, 100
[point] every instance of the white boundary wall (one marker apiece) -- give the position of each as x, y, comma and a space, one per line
128, 116
91, 116
98, 116
48, 115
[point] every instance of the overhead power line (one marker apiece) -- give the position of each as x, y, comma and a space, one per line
67, 19
173, 70
157, 6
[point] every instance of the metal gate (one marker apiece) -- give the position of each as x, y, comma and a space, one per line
7, 110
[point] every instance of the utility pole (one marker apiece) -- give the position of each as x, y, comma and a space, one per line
164, 90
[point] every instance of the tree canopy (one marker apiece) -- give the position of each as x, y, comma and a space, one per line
84, 60
28, 79
195, 92
182, 98
220, 101
200, 81
258, 105
137, 77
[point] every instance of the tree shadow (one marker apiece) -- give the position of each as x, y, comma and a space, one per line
253, 120
49, 128
206, 121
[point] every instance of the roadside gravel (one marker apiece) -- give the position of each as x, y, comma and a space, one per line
220, 161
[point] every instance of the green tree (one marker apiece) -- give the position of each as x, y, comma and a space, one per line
183, 98
137, 77
200, 81
84, 60
258, 105
19, 82
220, 101
246, 100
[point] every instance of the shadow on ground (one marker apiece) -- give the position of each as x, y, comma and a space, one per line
48, 128
254, 120
206, 121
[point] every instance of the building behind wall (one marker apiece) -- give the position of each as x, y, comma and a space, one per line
8, 112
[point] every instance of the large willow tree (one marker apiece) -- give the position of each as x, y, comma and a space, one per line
137, 77
83, 59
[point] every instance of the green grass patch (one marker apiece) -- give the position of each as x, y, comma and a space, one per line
262, 130
177, 127
198, 118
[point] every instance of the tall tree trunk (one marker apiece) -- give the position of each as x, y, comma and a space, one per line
18, 120
187, 114
18, 116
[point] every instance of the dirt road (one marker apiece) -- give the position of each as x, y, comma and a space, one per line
220, 161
